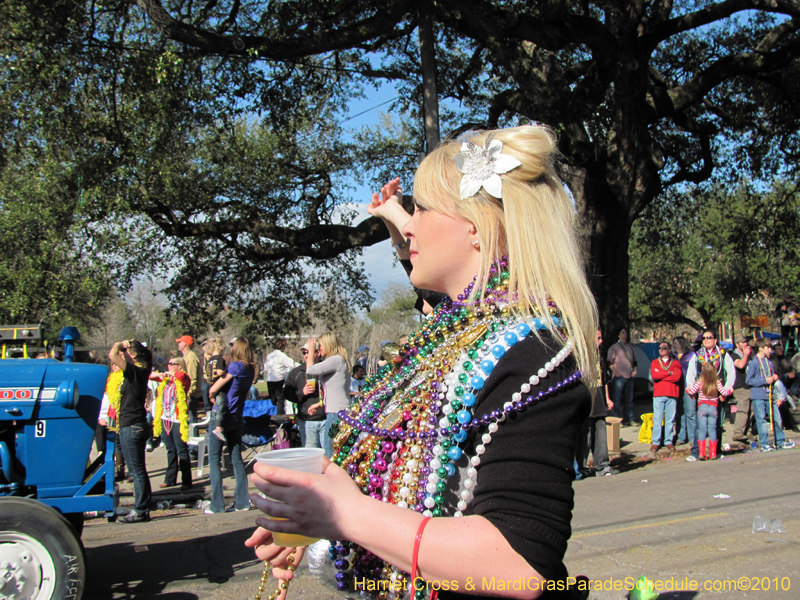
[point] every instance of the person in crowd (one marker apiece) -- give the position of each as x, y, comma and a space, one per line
149, 404
785, 386
622, 362
205, 384
741, 391
311, 426
108, 420
518, 323
194, 371
357, 379
135, 361
215, 366
761, 378
593, 435
784, 369
710, 350
333, 378
788, 314
666, 373
236, 384
710, 393
276, 366
172, 418
687, 423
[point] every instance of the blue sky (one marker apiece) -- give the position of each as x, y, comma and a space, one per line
379, 260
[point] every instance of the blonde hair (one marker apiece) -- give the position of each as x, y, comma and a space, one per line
331, 345
534, 225
215, 345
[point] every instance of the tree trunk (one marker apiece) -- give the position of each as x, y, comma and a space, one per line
427, 50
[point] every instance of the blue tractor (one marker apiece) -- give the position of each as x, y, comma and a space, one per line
48, 416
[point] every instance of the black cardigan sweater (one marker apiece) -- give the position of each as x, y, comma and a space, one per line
525, 476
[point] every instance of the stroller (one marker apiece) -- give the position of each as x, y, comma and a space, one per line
263, 431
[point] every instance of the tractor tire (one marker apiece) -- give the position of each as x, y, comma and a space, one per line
41, 557
76, 520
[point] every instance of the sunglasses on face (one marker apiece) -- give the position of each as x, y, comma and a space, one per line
709, 337
173, 364
663, 347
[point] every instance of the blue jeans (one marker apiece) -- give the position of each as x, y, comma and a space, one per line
622, 392
315, 433
707, 422
761, 410
132, 440
664, 408
233, 435
327, 441
205, 387
177, 454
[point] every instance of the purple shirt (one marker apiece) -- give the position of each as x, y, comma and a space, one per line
240, 387
685, 360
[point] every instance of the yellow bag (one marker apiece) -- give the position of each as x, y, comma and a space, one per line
646, 430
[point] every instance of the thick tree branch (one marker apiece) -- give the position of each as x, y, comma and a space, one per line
680, 98
697, 175
314, 241
716, 12
384, 20
553, 30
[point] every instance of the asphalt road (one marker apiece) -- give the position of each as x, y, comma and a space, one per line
658, 518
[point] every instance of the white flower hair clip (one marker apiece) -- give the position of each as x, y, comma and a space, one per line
482, 167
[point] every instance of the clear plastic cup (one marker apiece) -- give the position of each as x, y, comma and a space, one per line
307, 460
312, 382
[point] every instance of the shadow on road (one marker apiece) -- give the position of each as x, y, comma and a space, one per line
124, 570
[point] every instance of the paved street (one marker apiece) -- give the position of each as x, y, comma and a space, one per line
658, 518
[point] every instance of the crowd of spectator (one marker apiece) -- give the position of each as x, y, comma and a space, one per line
696, 388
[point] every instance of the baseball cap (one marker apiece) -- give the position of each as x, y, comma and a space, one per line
740, 338
186, 339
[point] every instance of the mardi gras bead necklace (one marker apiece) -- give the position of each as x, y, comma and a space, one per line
399, 440
113, 385
172, 394
704, 356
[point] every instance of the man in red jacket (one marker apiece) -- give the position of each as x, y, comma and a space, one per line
666, 373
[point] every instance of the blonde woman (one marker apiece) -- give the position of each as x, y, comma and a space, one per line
456, 465
333, 377
171, 417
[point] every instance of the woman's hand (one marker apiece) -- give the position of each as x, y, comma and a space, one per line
261, 541
381, 205
319, 506
313, 408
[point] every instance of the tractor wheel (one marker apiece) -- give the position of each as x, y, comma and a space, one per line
40, 556
76, 520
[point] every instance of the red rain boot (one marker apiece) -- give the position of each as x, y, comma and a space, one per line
701, 446
712, 448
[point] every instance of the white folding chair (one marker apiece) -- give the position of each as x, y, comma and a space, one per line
201, 441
